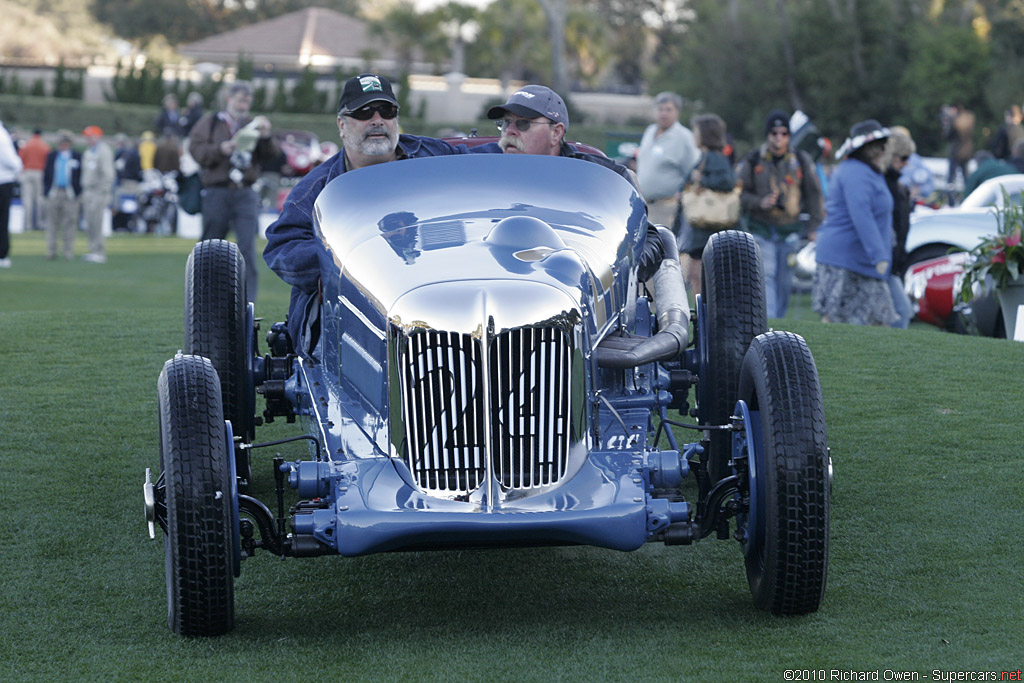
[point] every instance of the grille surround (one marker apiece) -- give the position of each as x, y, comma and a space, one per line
466, 422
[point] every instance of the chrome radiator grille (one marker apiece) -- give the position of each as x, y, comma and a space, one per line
446, 425
442, 377
529, 375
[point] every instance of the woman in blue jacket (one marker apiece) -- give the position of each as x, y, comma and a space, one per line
854, 243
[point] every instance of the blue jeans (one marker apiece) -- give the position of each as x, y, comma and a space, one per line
235, 209
901, 302
778, 274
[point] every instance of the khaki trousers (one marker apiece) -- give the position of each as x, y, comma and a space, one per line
31, 199
63, 209
94, 202
663, 212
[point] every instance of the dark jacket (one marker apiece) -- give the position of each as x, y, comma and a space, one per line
794, 177
192, 116
901, 208
716, 173
204, 146
75, 163
127, 164
292, 249
169, 121
569, 150
987, 169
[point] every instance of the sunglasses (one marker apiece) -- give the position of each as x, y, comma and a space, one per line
781, 132
385, 109
522, 125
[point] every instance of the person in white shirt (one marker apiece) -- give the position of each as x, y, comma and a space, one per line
10, 167
667, 155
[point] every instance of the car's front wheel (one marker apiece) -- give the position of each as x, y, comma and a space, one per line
734, 301
217, 327
786, 538
200, 544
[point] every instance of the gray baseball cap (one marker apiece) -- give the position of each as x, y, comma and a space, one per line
532, 101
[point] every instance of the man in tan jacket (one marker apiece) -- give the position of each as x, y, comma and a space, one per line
98, 178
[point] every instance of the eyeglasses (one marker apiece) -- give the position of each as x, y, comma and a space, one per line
385, 109
904, 159
782, 132
522, 125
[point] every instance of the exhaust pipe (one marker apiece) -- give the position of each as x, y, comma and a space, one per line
624, 351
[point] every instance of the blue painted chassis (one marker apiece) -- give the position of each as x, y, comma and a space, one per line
370, 504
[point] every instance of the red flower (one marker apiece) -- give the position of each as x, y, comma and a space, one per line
999, 257
1013, 240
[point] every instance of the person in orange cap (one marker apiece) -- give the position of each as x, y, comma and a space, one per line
98, 177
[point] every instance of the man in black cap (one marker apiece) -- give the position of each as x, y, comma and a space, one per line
368, 125
779, 185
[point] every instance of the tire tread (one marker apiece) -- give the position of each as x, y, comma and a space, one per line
793, 576
200, 573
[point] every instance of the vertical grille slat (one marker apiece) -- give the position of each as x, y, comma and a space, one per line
443, 396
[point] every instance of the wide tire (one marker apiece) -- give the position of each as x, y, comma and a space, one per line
216, 327
198, 547
732, 279
787, 555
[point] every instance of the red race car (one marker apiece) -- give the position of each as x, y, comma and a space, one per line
934, 286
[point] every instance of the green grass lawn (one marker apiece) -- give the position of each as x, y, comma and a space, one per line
925, 573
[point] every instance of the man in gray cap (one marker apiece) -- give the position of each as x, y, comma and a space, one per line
534, 121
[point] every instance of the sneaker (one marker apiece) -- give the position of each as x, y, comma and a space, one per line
94, 258
5, 262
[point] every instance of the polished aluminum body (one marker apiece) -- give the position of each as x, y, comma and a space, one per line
458, 341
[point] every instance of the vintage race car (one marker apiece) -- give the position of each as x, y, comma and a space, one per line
490, 372
933, 287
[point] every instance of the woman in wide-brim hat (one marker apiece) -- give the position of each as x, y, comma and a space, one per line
854, 243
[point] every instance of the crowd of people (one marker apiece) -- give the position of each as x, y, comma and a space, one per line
857, 211
67, 181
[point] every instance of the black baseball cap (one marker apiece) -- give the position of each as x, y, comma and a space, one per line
365, 88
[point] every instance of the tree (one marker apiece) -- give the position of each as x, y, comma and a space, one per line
65, 85
727, 56
950, 65
459, 26
509, 45
138, 84
305, 97
590, 46
556, 12
406, 29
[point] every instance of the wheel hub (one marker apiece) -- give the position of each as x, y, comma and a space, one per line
746, 445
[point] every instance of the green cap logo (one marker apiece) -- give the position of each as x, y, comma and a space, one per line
371, 84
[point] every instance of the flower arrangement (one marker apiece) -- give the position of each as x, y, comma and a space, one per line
999, 257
